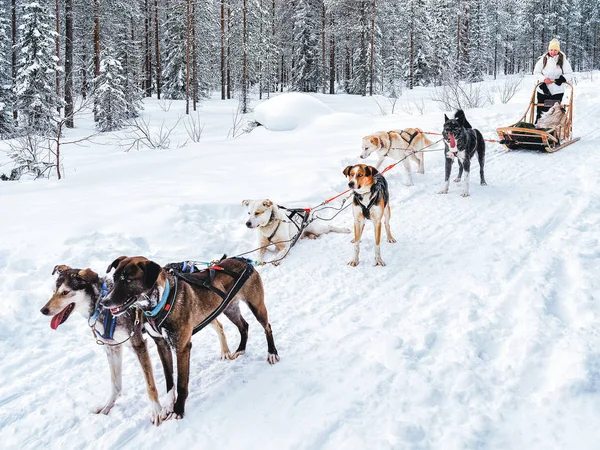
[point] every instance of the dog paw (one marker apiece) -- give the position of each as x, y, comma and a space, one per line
156, 414
272, 358
391, 240
409, 184
236, 354
421, 171
457, 180
483, 183
226, 356
379, 262
276, 263
353, 263
464, 194
443, 191
104, 409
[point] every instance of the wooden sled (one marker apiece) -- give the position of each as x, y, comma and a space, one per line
522, 137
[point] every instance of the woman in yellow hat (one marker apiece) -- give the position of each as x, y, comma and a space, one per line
552, 67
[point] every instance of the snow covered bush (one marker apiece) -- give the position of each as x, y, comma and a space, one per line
111, 107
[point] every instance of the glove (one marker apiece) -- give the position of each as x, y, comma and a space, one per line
560, 80
544, 89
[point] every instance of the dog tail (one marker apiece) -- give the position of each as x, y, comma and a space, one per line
461, 118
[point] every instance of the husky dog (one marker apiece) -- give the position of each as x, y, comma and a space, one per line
276, 227
371, 201
461, 141
81, 290
400, 145
553, 118
191, 302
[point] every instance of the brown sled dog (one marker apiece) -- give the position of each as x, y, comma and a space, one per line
141, 282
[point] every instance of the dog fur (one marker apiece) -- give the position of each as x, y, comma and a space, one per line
399, 145
462, 141
371, 200
79, 290
141, 282
555, 117
274, 227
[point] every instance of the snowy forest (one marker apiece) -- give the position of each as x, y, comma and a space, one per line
111, 54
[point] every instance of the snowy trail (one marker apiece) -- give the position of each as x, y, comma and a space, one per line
481, 332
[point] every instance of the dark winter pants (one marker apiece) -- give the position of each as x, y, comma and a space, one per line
541, 98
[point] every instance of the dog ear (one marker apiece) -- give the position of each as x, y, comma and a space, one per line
446, 118
245, 202
370, 171
60, 268
381, 143
151, 272
267, 203
347, 170
115, 263
88, 275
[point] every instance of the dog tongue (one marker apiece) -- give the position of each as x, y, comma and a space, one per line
452, 141
59, 318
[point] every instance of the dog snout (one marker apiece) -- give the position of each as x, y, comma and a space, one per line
351, 185
249, 224
45, 311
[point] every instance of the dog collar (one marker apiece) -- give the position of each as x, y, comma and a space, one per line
163, 301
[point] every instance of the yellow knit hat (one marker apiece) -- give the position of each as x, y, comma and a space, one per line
554, 45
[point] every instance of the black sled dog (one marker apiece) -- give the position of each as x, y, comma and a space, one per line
461, 141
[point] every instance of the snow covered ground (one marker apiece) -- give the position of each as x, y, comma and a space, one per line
481, 332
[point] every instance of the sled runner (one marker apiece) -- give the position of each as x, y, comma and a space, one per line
524, 136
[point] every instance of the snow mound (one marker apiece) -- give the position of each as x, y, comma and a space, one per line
289, 111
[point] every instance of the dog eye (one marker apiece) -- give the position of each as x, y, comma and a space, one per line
359, 175
65, 293
257, 214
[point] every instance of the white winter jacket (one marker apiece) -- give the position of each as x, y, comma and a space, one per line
553, 71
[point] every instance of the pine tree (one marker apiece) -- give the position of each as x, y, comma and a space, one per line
174, 66
306, 77
36, 73
111, 108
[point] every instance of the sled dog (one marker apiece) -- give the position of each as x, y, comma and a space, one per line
276, 226
191, 301
397, 144
462, 141
371, 201
80, 290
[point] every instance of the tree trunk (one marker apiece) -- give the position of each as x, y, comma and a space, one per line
96, 46
69, 123
157, 50
148, 52
57, 53
188, 21
323, 50
244, 60
223, 73
411, 58
332, 60
14, 50
363, 48
194, 59
372, 74
228, 53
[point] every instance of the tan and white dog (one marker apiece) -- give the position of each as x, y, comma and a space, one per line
397, 144
371, 200
275, 227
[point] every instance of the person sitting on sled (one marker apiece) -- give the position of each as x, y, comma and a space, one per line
553, 66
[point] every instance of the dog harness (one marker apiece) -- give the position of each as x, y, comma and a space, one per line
204, 278
161, 311
109, 321
378, 189
300, 218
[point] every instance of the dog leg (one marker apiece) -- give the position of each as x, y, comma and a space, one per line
113, 353
359, 226
387, 214
233, 313
447, 179
467, 169
284, 249
409, 181
225, 352
460, 172
377, 228
166, 359
183, 347
260, 312
332, 229
481, 158
141, 351
419, 158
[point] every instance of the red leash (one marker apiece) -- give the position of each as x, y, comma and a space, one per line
439, 134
